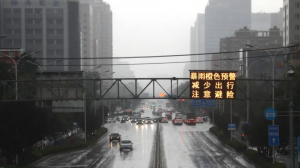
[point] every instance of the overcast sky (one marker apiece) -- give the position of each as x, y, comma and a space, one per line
160, 27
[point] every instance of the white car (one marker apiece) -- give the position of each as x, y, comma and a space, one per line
148, 121
126, 144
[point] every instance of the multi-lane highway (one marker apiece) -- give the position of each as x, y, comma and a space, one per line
108, 155
196, 147
182, 146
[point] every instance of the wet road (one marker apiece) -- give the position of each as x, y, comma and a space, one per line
108, 155
182, 146
196, 147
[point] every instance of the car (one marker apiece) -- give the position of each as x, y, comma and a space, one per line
126, 117
139, 121
148, 121
134, 119
110, 120
155, 120
199, 120
164, 120
177, 121
114, 136
123, 120
126, 144
191, 121
169, 116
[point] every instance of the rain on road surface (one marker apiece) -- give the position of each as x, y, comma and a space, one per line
106, 154
183, 146
195, 147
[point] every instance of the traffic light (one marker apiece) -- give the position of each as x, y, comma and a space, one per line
243, 135
178, 99
153, 105
182, 99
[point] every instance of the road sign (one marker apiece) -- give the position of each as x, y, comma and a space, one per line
203, 103
298, 143
231, 127
270, 114
273, 135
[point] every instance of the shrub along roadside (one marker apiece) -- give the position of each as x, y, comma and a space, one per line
34, 156
238, 146
261, 161
252, 155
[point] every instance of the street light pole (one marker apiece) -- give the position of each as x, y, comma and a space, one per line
41, 79
291, 106
16, 67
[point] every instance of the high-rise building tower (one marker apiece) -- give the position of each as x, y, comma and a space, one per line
291, 22
222, 18
51, 26
87, 32
197, 43
103, 34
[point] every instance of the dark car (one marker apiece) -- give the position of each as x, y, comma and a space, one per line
123, 120
168, 116
114, 136
139, 121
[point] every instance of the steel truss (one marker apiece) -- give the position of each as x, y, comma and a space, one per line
95, 89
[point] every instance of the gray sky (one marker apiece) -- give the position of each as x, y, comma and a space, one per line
160, 27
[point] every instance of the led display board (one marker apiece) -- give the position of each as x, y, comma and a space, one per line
212, 84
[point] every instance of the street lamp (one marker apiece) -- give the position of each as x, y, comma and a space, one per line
247, 76
273, 78
16, 66
41, 78
93, 76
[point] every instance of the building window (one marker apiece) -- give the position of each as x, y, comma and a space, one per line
37, 10
11, 54
297, 16
297, 5
16, 10
297, 27
29, 10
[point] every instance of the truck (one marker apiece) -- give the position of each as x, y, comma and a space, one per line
190, 118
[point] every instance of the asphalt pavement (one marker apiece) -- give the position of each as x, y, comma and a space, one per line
107, 155
181, 146
195, 147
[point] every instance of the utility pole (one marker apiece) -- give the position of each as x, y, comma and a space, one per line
230, 118
291, 106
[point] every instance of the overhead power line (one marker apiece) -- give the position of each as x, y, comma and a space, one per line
181, 62
164, 56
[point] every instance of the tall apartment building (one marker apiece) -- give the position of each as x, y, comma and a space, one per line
87, 31
103, 35
193, 48
291, 25
265, 21
51, 26
222, 18
198, 43
261, 39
